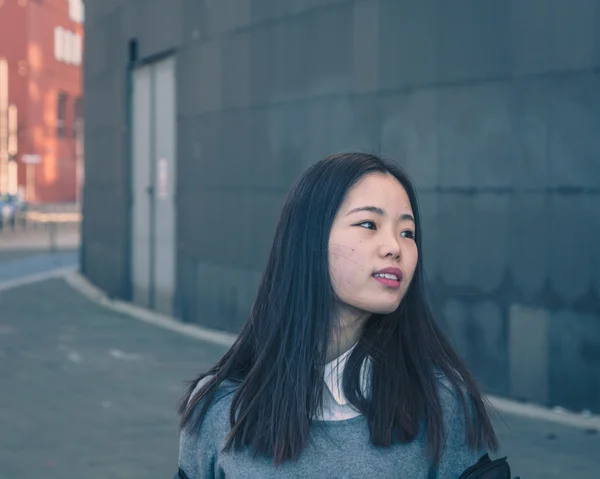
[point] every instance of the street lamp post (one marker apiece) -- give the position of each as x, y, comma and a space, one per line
79, 172
3, 125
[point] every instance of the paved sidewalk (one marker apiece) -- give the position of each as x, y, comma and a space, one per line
87, 392
41, 239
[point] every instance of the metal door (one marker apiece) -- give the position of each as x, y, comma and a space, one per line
153, 185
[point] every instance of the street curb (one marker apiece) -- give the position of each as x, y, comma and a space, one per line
561, 416
93, 293
500, 404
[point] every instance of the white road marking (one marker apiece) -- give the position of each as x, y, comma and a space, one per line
36, 278
118, 354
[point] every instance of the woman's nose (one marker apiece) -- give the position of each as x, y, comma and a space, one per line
391, 247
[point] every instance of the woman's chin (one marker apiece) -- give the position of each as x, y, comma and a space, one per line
384, 308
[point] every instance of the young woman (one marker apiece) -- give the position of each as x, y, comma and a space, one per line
340, 369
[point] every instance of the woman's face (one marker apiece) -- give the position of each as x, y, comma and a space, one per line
372, 249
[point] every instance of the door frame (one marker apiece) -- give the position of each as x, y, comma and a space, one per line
133, 63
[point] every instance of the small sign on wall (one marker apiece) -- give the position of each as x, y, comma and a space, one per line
31, 159
163, 177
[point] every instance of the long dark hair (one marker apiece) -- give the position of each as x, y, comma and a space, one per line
278, 358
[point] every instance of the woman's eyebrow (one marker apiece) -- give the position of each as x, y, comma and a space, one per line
381, 212
372, 209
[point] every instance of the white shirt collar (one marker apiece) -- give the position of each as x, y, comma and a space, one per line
334, 374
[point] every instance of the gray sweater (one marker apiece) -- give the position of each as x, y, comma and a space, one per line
338, 449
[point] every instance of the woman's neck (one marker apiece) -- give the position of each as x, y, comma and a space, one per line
345, 335
340, 345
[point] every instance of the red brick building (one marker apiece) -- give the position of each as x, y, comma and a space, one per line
41, 108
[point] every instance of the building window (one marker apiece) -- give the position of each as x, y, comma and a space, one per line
76, 10
59, 47
68, 46
77, 115
61, 110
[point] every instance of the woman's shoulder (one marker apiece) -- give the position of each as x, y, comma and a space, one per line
224, 389
457, 409
453, 400
209, 422
448, 392
203, 435
220, 403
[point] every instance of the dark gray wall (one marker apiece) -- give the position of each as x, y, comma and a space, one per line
492, 106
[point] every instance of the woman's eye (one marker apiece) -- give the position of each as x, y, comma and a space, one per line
408, 234
368, 224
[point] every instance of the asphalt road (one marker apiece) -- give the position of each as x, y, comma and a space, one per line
19, 264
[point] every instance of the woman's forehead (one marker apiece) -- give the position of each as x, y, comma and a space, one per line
379, 190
